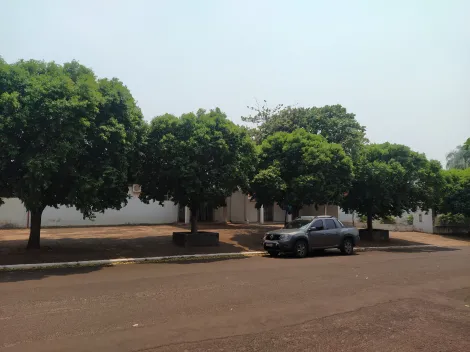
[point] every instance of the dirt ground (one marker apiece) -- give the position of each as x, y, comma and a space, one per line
89, 243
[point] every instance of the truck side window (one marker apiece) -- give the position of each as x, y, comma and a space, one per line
318, 224
330, 224
338, 224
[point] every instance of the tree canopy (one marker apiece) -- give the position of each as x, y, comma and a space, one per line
300, 168
196, 159
456, 194
390, 179
459, 158
65, 138
333, 122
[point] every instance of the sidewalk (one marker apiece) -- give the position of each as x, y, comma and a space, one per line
95, 243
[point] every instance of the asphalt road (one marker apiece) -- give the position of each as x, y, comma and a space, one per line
373, 301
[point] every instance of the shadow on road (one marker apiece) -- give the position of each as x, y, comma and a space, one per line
315, 254
200, 261
421, 250
25, 275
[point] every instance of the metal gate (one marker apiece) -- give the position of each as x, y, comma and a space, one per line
268, 213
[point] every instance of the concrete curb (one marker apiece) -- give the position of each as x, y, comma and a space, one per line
170, 258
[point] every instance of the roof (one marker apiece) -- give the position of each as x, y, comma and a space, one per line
305, 218
311, 217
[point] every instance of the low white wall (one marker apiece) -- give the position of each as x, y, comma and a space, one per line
345, 217
135, 212
311, 211
13, 213
425, 225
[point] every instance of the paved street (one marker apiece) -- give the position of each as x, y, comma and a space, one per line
374, 301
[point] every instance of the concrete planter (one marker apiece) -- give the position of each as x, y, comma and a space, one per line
377, 235
188, 239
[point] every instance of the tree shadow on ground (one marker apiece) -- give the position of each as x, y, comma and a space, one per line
391, 242
253, 240
71, 249
231, 226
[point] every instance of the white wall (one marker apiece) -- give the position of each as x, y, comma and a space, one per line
219, 214
252, 213
135, 212
278, 214
13, 213
426, 223
237, 207
238, 204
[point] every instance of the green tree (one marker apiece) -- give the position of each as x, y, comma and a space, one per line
390, 179
459, 158
196, 159
65, 138
331, 121
300, 168
456, 194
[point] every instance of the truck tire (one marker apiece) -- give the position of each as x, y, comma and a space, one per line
301, 249
347, 247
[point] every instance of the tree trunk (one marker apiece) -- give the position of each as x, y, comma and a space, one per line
285, 218
194, 215
326, 209
369, 222
35, 230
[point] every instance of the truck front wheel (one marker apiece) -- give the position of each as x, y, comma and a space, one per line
301, 248
347, 247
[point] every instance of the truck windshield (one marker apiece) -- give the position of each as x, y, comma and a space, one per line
297, 224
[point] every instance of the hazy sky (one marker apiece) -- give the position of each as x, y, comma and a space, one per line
403, 67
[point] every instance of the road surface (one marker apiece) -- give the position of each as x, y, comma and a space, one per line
373, 301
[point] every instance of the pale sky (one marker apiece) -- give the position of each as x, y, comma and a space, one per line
403, 67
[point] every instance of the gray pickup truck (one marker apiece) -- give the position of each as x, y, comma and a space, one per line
306, 234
